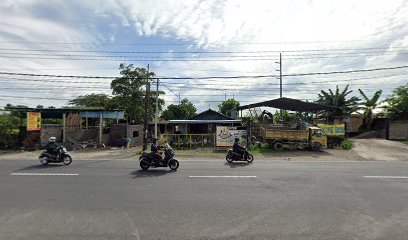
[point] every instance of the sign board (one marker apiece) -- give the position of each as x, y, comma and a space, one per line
33, 121
337, 130
227, 135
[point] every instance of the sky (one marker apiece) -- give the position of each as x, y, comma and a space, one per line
201, 39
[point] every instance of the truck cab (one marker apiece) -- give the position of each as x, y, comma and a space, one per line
317, 139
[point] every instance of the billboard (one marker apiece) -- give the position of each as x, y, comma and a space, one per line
33, 121
227, 135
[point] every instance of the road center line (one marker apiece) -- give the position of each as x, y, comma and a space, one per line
222, 176
44, 174
392, 177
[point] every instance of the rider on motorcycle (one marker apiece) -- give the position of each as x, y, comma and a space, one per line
237, 148
154, 151
52, 146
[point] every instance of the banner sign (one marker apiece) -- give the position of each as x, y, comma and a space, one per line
227, 135
333, 129
33, 121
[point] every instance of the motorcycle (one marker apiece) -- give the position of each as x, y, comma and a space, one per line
62, 156
233, 156
148, 160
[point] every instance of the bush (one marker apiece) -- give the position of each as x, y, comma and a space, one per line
346, 144
8, 131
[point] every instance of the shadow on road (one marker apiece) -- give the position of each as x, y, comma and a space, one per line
237, 164
40, 166
150, 173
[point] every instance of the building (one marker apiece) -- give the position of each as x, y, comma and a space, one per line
198, 131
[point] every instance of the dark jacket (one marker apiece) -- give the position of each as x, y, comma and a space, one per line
154, 147
237, 148
52, 147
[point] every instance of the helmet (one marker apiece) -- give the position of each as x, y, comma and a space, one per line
52, 139
236, 139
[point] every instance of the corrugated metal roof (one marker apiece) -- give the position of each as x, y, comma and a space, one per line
290, 104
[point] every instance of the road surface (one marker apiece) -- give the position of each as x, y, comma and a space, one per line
204, 200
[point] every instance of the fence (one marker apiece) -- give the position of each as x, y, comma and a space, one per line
189, 141
398, 130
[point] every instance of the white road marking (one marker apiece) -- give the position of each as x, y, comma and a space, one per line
392, 177
222, 176
44, 174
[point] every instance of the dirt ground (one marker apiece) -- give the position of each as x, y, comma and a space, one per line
380, 149
364, 150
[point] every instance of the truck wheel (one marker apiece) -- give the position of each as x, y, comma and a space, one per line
316, 146
278, 146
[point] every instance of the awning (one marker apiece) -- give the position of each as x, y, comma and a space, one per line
290, 104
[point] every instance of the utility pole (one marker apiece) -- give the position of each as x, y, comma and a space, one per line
179, 98
280, 73
280, 79
225, 96
146, 124
157, 109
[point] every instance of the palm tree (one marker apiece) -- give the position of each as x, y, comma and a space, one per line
338, 99
368, 106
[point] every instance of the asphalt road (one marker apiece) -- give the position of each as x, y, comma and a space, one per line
276, 200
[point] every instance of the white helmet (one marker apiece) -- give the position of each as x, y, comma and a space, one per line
52, 139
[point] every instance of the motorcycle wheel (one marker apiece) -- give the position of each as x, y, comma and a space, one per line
229, 158
44, 161
67, 160
174, 164
144, 165
250, 158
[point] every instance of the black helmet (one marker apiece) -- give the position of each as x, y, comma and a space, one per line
236, 139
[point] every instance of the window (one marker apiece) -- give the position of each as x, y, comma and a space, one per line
135, 134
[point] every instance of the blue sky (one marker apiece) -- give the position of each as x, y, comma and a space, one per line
40, 37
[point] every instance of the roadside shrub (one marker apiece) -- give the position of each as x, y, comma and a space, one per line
346, 145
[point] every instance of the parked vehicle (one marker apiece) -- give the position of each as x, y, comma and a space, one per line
148, 160
62, 156
233, 156
303, 136
335, 133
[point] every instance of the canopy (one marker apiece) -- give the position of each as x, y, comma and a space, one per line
290, 104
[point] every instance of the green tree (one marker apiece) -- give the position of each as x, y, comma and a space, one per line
226, 106
338, 99
368, 106
398, 104
184, 110
8, 131
39, 106
92, 100
129, 92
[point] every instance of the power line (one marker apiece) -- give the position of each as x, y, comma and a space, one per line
211, 77
201, 52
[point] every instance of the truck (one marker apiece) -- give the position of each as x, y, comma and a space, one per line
302, 136
335, 133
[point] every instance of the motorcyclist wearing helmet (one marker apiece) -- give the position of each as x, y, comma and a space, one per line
237, 148
52, 146
154, 151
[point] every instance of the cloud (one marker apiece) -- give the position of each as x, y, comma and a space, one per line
229, 25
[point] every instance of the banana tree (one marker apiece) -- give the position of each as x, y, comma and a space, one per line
338, 99
368, 106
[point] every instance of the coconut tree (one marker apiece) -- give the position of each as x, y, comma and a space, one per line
338, 99
368, 106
